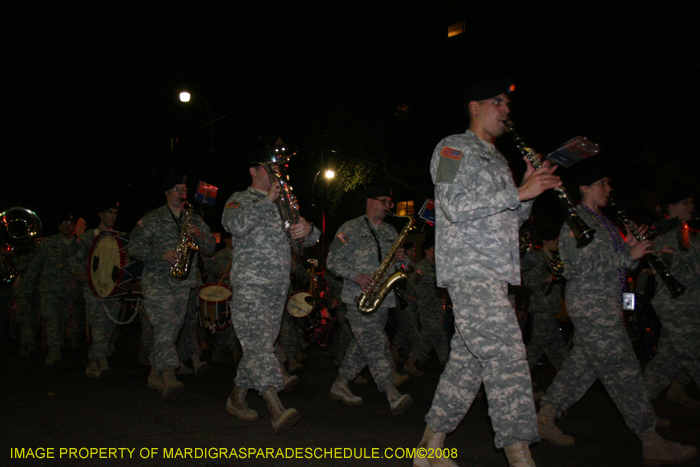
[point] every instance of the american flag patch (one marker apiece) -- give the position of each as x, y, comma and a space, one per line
141, 223
233, 204
451, 153
341, 236
419, 272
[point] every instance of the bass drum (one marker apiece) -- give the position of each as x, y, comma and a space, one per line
303, 310
111, 272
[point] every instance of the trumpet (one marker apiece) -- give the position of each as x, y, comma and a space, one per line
583, 233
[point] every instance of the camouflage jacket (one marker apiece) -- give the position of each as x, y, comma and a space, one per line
477, 211
536, 272
684, 265
51, 268
425, 287
158, 232
261, 250
218, 265
593, 271
354, 251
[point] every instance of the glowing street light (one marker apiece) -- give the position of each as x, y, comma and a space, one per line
329, 174
185, 96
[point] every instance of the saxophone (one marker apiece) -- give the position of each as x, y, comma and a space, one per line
557, 266
674, 287
185, 247
369, 301
583, 233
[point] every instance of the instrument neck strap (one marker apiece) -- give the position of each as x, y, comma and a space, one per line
176, 218
374, 234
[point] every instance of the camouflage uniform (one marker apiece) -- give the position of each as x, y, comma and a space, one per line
353, 252
431, 314
165, 298
101, 326
57, 287
478, 211
407, 334
679, 344
260, 277
602, 348
27, 306
546, 337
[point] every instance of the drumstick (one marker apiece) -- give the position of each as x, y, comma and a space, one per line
228, 268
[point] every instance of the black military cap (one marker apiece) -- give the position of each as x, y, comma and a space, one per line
428, 242
173, 179
487, 89
108, 203
587, 171
375, 191
673, 196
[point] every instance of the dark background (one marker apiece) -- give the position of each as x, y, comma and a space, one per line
91, 110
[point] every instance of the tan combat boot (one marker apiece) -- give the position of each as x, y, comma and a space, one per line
431, 443
399, 379
548, 429
155, 380
105, 370
518, 455
92, 370
398, 403
677, 395
410, 368
282, 419
172, 388
199, 366
236, 405
341, 392
659, 451
54, 356
289, 381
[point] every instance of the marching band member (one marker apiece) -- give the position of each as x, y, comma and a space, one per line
679, 345
154, 241
101, 326
358, 249
478, 210
260, 278
602, 349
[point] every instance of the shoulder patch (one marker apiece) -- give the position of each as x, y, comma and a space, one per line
341, 236
233, 204
141, 223
451, 153
419, 272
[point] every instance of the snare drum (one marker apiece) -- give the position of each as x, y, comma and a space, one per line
302, 307
111, 272
214, 306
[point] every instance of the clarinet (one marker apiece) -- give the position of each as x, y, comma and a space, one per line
583, 233
674, 287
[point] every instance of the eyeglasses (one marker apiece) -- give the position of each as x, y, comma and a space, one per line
178, 189
386, 202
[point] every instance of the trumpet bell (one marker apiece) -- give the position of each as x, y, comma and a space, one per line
19, 226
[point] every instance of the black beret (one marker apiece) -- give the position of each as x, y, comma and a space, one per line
375, 191
107, 204
488, 89
172, 180
587, 171
428, 242
673, 196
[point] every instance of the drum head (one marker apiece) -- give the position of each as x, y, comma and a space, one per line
214, 292
105, 261
300, 304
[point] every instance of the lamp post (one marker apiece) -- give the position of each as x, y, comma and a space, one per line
328, 174
186, 96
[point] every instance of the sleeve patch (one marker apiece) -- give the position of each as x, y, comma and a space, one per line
141, 223
341, 236
419, 272
451, 153
233, 204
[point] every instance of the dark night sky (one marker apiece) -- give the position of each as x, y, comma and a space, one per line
90, 96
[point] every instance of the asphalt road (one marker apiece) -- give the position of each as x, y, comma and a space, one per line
52, 411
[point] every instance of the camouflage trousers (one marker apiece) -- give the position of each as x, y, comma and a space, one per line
101, 326
407, 334
187, 344
288, 339
166, 307
257, 315
546, 340
227, 339
27, 318
432, 334
146, 340
55, 310
368, 347
343, 335
602, 349
487, 347
679, 345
